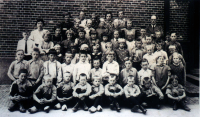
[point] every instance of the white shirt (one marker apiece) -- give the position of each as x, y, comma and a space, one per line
161, 53
103, 46
150, 58
65, 68
112, 67
130, 46
30, 45
52, 68
36, 36
143, 73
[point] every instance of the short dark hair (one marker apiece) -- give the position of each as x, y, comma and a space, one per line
82, 74
36, 50
57, 26
82, 52
52, 51
144, 60
81, 30
23, 71
108, 12
40, 20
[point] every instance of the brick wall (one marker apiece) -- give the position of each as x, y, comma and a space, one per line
15, 15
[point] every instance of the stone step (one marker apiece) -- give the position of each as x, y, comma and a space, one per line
192, 90
193, 79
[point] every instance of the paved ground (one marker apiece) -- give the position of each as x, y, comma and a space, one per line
193, 103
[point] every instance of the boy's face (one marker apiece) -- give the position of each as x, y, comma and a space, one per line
129, 23
81, 35
82, 80
105, 38
52, 57
173, 37
131, 81
89, 23
116, 34
39, 24
144, 65
159, 47
108, 17
120, 14
112, 81
176, 59
46, 38
95, 50
160, 60
77, 23
82, 15
68, 57
35, 55
20, 55
138, 44
48, 82
96, 82
93, 36
175, 82
148, 39
66, 18
149, 51
57, 31
69, 36
143, 32
25, 35
110, 58
121, 45
67, 77
22, 76
158, 34
96, 64
128, 64
83, 57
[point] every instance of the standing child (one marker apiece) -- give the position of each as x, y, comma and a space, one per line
93, 38
96, 71
105, 39
109, 47
21, 93
122, 53
81, 92
176, 93
96, 94
132, 95
130, 43
150, 56
26, 44
129, 30
161, 52
81, 40
95, 54
64, 91
88, 28
57, 37
35, 69
45, 95
59, 56
52, 66
113, 91
15, 66
66, 44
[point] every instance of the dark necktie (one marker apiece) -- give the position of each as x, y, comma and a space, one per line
26, 46
153, 27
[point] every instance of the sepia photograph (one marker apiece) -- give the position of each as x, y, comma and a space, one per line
99, 58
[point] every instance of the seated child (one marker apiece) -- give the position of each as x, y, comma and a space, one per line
81, 67
15, 66
96, 71
109, 47
26, 44
121, 53
93, 38
96, 94
67, 66
151, 94
160, 52
150, 56
35, 69
21, 93
81, 40
52, 66
64, 91
113, 91
101, 29
57, 37
132, 95
129, 70
176, 93
105, 39
88, 28
45, 95
81, 91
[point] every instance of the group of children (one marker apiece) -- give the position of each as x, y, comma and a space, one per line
91, 61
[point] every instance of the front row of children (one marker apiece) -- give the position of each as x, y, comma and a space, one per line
48, 96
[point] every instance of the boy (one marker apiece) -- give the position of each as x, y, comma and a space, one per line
81, 67
96, 94
143, 35
129, 70
81, 92
105, 39
21, 93
160, 52
149, 56
110, 66
45, 95
115, 40
109, 47
57, 37
93, 38
46, 44
132, 95
52, 66
151, 94
26, 44
122, 53
15, 66
96, 71
88, 28
176, 93
64, 91
67, 66
81, 40
113, 91
95, 54
35, 69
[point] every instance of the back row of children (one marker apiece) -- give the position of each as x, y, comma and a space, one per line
90, 63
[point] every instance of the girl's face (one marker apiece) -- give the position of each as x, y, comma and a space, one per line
128, 64
173, 37
69, 36
22, 76
108, 17
93, 36
129, 24
176, 59
68, 58
160, 60
96, 82
39, 25
57, 31
20, 55
83, 80
81, 35
105, 38
122, 45
175, 82
120, 14
110, 58
116, 34
159, 47
67, 77
35, 55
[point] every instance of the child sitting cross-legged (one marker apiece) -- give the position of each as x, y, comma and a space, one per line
96, 95
45, 95
176, 93
113, 91
64, 91
132, 95
81, 92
